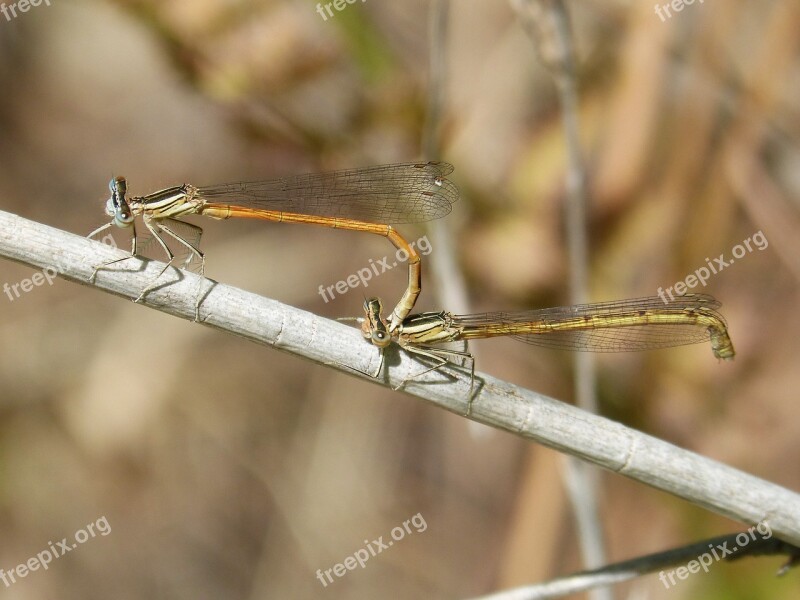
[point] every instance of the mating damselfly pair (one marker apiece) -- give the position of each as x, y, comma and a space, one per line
368, 200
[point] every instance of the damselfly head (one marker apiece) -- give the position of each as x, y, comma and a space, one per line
373, 328
117, 204
373, 307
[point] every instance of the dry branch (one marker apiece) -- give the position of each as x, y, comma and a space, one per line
555, 424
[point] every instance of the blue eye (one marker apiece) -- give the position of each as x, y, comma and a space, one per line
122, 218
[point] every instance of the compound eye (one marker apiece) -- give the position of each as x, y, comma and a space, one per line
380, 339
123, 218
120, 211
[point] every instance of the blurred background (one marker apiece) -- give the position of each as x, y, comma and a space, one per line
228, 470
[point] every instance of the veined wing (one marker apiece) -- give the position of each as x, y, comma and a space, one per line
625, 325
400, 193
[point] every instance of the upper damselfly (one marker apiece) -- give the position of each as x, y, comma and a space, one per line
364, 199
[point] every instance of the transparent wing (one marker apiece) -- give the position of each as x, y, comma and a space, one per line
625, 325
401, 193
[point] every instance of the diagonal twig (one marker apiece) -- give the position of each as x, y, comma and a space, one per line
699, 480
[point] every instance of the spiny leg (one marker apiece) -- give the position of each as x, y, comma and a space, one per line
194, 250
437, 355
101, 266
380, 362
153, 228
372, 375
432, 353
471, 384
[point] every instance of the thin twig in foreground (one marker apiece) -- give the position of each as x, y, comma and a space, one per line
642, 565
613, 446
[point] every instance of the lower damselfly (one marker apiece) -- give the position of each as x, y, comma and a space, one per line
618, 326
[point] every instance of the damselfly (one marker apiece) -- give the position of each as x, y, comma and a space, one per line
619, 326
357, 200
